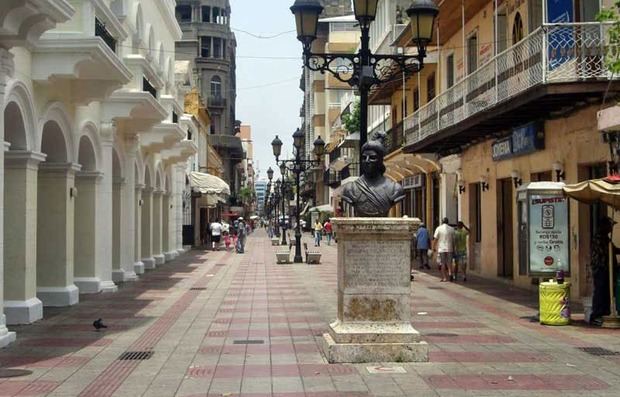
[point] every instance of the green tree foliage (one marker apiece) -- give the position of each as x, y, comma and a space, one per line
245, 194
612, 57
352, 120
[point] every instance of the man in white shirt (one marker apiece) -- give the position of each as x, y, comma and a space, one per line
443, 244
216, 235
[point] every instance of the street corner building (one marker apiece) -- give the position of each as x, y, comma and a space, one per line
94, 159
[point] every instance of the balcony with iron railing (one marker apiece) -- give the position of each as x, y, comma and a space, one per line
331, 178
102, 32
556, 65
394, 138
216, 102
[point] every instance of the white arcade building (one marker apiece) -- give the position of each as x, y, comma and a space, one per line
94, 157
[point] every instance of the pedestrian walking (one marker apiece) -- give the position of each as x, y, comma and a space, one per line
443, 245
327, 227
241, 234
227, 241
216, 235
460, 250
318, 230
423, 244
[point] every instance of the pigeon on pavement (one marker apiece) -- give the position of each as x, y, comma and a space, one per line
98, 324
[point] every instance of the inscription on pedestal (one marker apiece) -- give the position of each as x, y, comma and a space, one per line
376, 263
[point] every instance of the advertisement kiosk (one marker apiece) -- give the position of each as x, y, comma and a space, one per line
544, 224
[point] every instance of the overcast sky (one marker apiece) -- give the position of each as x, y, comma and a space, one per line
268, 94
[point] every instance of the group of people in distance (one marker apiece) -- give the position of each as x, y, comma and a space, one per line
321, 229
448, 246
234, 235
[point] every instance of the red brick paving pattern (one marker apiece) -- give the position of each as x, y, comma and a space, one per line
516, 382
115, 374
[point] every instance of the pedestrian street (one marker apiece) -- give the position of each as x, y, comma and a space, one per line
217, 323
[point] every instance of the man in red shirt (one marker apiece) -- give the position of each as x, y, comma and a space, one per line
327, 227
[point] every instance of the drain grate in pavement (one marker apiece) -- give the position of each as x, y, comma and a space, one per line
248, 342
198, 288
137, 355
598, 351
434, 287
220, 264
441, 334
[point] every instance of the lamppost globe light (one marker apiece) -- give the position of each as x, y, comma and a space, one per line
422, 14
276, 144
270, 174
319, 147
306, 19
365, 11
298, 139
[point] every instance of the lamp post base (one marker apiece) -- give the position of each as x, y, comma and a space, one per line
298, 258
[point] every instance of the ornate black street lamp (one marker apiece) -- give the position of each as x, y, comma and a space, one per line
364, 70
297, 166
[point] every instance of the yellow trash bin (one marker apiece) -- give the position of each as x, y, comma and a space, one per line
554, 303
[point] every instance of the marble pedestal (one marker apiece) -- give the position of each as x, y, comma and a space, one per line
374, 287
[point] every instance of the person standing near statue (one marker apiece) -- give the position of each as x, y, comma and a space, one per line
443, 245
423, 244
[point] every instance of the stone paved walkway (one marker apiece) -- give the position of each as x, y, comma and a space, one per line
222, 324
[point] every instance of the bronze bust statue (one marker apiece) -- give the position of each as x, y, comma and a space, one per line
372, 194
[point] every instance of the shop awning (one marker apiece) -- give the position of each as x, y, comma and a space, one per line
606, 190
322, 208
208, 184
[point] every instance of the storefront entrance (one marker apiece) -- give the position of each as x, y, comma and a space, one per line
505, 227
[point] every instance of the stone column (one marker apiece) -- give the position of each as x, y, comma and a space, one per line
147, 228
88, 184
55, 234
104, 211
20, 199
157, 228
6, 69
119, 234
167, 227
179, 183
137, 228
130, 263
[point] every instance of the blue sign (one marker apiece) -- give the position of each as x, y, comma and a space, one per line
561, 40
525, 139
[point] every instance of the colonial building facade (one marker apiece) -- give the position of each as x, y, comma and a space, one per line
509, 95
94, 156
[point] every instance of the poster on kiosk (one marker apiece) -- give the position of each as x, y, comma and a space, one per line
544, 222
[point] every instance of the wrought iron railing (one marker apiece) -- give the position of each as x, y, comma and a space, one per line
349, 171
335, 154
148, 87
554, 53
216, 101
102, 31
394, 138
331, 178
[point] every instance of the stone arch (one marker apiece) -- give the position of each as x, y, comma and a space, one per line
86, 154
55, 134
117, 149
148, 176
89, 131
19, 128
